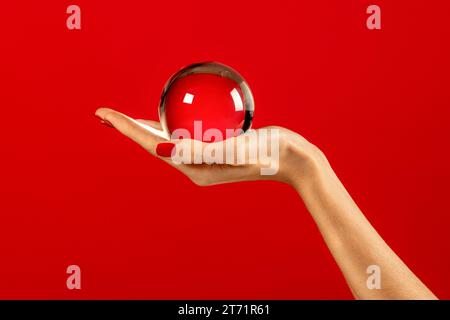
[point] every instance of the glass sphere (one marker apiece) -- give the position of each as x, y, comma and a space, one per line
206, 96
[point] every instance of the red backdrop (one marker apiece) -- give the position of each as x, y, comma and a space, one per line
75, 192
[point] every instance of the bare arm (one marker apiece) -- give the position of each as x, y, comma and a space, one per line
353, 242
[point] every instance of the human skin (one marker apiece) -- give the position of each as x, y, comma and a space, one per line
351, 239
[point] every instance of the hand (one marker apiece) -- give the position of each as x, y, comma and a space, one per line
352, 240
296, 158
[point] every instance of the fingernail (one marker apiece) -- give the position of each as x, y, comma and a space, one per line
106, 123
164, 149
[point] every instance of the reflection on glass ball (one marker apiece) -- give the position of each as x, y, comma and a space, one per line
210, 101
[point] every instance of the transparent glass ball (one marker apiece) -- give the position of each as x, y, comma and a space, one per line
206, 96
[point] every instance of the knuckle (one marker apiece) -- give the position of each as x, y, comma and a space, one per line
200, 181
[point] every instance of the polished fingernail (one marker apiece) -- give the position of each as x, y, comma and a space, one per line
164, 149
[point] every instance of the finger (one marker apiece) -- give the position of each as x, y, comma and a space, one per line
219, 174
232, 151
130, 128
151, 123
153, 127
251, 148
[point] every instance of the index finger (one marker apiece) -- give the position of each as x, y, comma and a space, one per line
146, 136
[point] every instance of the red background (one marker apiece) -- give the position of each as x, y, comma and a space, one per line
75, 192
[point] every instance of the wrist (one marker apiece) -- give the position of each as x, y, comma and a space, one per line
304, 163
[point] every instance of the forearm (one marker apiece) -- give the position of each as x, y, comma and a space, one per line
353, 242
